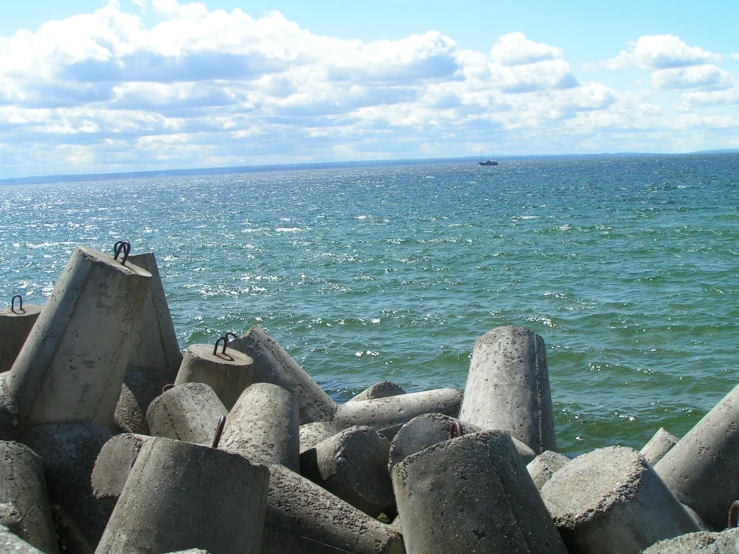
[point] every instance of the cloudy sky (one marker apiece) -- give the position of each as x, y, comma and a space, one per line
88, 86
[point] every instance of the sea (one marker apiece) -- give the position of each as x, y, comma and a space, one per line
626, 266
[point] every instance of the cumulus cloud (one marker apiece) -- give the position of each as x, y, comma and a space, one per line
700, 76
516, 49
658, 52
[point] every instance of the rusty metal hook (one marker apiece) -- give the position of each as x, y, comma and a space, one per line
455, 429
167, 387
215, 348
124, 246
734, 514
219, 431
20, 305
231, 335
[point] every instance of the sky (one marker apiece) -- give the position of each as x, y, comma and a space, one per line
95, 86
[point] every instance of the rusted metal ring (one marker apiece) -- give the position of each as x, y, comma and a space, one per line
455, 429
20, 305
219, 431
165, 388
215, 348
123, 246
734, 514
231, 335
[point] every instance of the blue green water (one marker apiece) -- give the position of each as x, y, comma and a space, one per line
627, 268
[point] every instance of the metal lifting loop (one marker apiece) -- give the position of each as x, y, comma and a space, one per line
167, 387
215, 348
124, 246
20, 305
230, 335
455, 430
219, 431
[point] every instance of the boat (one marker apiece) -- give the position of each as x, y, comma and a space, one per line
489, 162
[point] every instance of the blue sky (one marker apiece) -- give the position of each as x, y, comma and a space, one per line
88, 86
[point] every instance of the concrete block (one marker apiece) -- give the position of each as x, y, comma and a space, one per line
612, 501
23, 494
659, 445
68, 452
226, 370
508, 387
544, 466
72, 365
16, 323
471, 494
726, 542
264, 426
138, 391
12, 544
313, 433
383, 389
181, 495
114, 462
353, 466
188, 412
701, 468
273, 365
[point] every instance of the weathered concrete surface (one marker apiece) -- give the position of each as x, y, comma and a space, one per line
114, 463
701, 469
227, 374
429, 429
659, 445
508, 387
393, 410
188, 412
726, 542
273, 365
72, 365
313, 433
264, 426
383, 389
544, 466
181, 495
612, 501
139, 389
11, 544
24, 503
303, 518
14, 329
471, 494
353, 466
68, 452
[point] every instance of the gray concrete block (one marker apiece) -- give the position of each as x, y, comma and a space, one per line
508, 387
15, 327
383, 389
471, 494
114, 462
313, 433
12, 544
612, 501
544, 466
726, 542
138, 391
701, 468
23, 493
188, 412
659, 445
181, 495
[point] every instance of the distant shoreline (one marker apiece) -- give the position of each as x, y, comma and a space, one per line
45, 179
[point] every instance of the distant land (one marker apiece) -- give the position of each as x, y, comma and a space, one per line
321, 165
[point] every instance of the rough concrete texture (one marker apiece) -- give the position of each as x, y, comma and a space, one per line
273, 365
383, 389
313, 433
227, 374
303, 518
139, 389
471, 494
23, 493
353, 466
508, 387
611, 500
701, 469
544, 466
114, 463
71, 367
11, 544
726, 542
264, 426
68, 452
393, 410
429, 429
188, 412
14, 329
181, 495
9, 417
659, 445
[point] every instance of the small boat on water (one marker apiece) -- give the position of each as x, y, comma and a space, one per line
489, 162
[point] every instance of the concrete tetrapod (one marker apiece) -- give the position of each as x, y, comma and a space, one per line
544, 466
611, 500
726, 542
263, 426
472, 494
273, 365
188, 412
383, 389
353, 466
508, 387
15, 325
313, 433
23, 491
114, 462
12, 544
659, 445
701, 468
181, 495
72, 365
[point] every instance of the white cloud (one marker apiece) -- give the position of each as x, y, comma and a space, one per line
699, 76
657, 52
516, 49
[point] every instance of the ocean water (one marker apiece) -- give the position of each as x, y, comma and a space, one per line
627, 267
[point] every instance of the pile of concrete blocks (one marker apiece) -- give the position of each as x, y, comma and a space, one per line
112, 440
